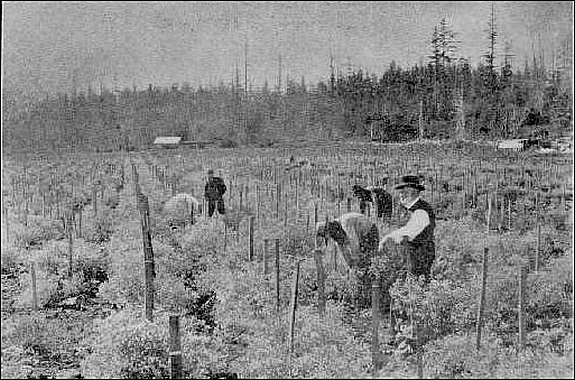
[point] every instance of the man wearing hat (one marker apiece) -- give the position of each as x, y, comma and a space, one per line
214, 194
417, 234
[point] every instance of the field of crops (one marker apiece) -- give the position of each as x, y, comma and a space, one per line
75, 295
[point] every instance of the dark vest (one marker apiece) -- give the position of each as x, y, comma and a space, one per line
422, 247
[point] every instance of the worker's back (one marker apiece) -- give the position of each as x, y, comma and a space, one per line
361, 235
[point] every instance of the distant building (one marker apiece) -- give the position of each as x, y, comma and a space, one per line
516, 144
168, 141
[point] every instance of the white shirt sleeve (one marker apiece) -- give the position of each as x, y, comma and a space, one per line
416, 224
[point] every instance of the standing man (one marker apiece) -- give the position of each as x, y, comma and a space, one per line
214, 192
418, 234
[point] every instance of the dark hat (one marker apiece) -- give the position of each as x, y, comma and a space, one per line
409, 181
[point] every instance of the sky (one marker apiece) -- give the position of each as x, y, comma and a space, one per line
62, 46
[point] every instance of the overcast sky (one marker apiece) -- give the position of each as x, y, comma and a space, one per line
54, 46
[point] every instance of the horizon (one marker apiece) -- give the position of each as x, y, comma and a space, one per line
51, 48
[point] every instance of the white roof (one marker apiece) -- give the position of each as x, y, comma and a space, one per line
511, 144
167, 140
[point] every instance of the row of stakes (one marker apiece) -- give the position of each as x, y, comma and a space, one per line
175, 350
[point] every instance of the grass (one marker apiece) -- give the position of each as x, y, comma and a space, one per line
238, 326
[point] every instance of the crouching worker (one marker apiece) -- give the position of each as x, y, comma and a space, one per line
182, 209
356, 238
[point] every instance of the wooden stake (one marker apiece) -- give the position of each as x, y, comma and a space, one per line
34, 288
320, 281
70, 248
375, 320
293, 308
538, 250
149, 271
175, 348
278, 275
489, 201
265, 257
251, 239
522, 283
5, 212
481, 310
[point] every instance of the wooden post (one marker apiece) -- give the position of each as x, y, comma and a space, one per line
481, 310
70, 248
488, 212
265, 257
192, 211
296, 202
43, 204
522, 283
501, 215
5, 212
538, 249
286, 210
225, 234
278, 192
278, 275
149, 272
293, 307
375, 319
258, 204
509, 213
334, 255
79, 231
175, 348
95, 200
58, 203
251, 239
34, 288
320, 281
464, 195
26, 212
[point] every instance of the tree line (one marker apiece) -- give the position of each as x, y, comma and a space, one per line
443, 98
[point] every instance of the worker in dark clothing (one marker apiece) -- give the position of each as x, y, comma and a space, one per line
383, 201
418, 234
214, 194
364, 197
377, 195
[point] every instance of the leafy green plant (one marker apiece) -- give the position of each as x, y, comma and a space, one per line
127, 346
11, 260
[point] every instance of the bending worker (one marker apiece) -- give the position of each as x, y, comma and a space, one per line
380, 197
418, 234
357, 238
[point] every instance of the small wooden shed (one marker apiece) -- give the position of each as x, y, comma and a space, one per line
515, 144
168, 141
